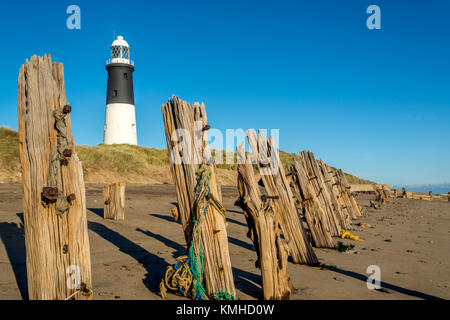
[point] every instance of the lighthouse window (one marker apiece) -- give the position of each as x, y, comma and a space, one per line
125, 75
115, 93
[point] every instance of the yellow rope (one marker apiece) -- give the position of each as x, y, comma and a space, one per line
175, 279
347, 235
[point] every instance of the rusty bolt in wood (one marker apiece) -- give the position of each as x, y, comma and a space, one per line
206, 128
50, 193
85, 291
65, 249
67, 109
107, 202
265, 198
71, 197
67, 153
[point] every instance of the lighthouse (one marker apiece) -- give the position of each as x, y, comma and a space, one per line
120, 117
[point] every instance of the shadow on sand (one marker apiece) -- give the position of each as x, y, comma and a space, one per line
154, 265
13, 238
248, 283
180, 250
97, 211
388, 286
241, 243
163, 217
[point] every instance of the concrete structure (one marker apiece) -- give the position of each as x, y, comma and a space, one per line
120, 118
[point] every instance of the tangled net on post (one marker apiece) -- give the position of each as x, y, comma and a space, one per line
186, 275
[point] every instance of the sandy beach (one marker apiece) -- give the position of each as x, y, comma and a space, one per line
408, 239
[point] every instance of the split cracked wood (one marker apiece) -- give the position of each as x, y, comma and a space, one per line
57, 246
187, 144
264, 232
310, 205
276, 184
356, 209
321, 190
339, 195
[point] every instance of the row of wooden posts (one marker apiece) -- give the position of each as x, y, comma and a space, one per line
383, 192
54, 199
308, 188
274, 200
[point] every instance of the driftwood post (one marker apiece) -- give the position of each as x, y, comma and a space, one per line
264, 232
339, 195
356, 209
277, 186
54, 202
114, 201
314, 175
186, 131
312, 210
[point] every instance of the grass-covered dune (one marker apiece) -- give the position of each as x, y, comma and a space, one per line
107, 163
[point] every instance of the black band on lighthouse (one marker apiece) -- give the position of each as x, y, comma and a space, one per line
120, 83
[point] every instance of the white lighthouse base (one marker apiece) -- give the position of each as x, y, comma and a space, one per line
120, 124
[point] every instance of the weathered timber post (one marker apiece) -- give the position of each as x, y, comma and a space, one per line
54, 201
263, 230
276, 185
404, 193
339, 194
114, 201
312, 210
449, 196
186, 131
314, 175
356, 209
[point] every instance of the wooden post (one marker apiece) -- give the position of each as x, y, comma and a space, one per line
54, 200
264, 232
277, 186
353, 204
312, 210
321, 191
449, 196
186, 131
114, 201
345, 210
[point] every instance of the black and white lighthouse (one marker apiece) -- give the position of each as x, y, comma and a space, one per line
120, 118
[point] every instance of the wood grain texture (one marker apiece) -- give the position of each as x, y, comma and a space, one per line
329, 205
264, 232
53, 243
114, 201
187, 144
310, 205
339, 195
356, 209
276, 185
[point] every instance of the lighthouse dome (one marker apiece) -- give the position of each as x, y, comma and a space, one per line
120, 42
120, 52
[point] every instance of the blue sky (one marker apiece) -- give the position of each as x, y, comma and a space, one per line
373, 102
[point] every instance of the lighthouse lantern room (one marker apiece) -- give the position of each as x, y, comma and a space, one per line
120, 118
